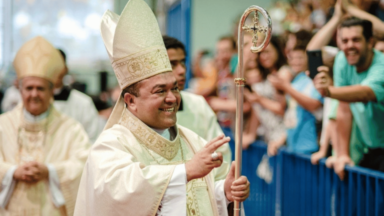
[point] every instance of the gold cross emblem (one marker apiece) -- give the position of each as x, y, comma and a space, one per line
255, 29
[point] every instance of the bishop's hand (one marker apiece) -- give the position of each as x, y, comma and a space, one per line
31, 172
202, 162
23, 173
236, 190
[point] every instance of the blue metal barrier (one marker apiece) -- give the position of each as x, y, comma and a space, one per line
299, 188
262, 199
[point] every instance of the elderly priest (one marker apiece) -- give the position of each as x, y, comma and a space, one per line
42, 152
144, 163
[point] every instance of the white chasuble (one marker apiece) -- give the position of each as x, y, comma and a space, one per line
129, 169
56, 140
196, 115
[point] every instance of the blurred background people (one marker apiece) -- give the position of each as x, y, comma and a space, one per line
43, 152
283, 108
200, 119
304, 103
76, 104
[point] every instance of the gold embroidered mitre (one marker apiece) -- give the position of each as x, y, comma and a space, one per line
135, 47
134, 43
38, 58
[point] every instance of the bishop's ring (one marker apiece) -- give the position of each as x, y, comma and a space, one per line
214, 156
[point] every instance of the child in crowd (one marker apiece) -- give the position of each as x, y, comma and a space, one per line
268, 110
304, 105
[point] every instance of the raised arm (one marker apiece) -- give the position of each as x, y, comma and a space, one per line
324, 35
378, 25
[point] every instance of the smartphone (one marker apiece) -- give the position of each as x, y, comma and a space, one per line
315, 60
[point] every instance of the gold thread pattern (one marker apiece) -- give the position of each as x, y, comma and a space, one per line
240, 81
38, 57
198, 195
140, 65
150, 139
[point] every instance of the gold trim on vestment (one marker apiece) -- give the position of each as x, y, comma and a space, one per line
148, 137
134, 43
200, 192
31, 138
141, 65
207, 178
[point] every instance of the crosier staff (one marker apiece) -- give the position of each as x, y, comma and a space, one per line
240, 81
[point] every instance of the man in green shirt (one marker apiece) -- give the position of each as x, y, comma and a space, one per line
359, 86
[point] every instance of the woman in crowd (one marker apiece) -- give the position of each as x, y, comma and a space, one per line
268, 104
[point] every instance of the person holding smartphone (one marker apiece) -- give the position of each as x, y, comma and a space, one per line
359, 86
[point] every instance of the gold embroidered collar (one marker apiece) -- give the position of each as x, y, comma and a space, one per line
148, 137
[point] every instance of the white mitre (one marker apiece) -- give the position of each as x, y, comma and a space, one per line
135, 47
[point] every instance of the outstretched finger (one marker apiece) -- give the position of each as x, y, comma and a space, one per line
214, 140
212, 147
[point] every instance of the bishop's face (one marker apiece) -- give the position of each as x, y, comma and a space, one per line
157, 102
36, 93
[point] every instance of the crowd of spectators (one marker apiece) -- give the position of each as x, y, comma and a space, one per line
339, 114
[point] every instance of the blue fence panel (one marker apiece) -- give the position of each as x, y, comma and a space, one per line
299, 188
302, 183
179, 26
262, 199
379, 197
